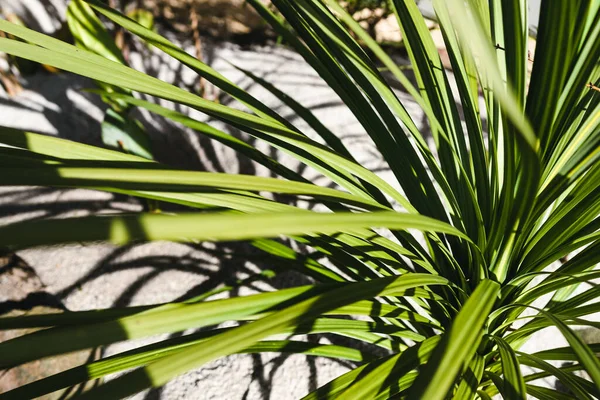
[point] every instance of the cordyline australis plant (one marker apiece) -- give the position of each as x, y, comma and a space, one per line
495, 203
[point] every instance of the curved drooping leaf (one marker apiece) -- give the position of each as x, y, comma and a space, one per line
216, 226
159, 372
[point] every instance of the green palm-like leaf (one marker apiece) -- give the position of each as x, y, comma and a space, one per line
436, 268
